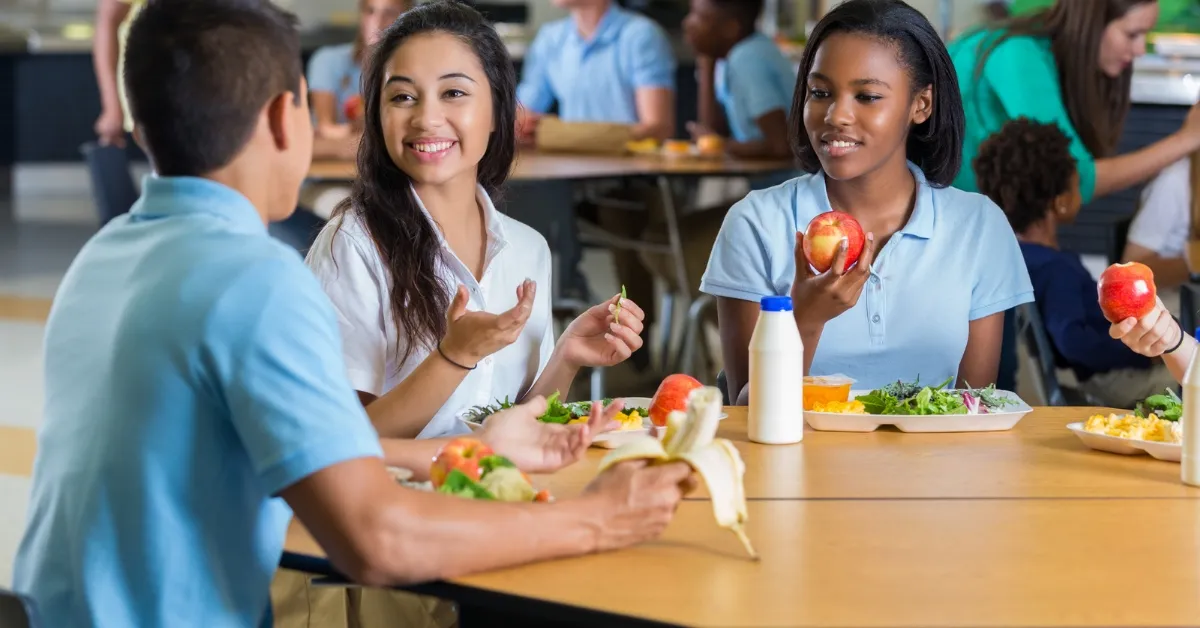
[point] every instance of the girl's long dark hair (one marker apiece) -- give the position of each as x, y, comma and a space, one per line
1096, 103
935, 145
382, 195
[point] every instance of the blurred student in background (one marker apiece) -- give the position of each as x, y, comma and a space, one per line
1168, 218
600, 64
1028, 170
108, 58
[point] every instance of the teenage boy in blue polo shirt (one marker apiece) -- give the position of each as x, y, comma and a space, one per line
194, 374
745, 82
600, 64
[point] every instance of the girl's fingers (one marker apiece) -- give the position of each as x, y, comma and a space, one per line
633, 322
1120, 330
839, 259
629, 307
626, 335
619, 347
867, 257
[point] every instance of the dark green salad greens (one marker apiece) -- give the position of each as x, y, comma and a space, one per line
1167, 406
556, 411
904, 398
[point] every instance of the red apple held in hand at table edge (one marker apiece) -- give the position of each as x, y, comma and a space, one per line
1126, 291
825, 233
463, 454
353, 108
672, 395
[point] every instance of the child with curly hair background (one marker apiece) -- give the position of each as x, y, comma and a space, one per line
1027, 169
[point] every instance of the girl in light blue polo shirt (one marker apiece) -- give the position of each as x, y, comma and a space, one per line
878, 125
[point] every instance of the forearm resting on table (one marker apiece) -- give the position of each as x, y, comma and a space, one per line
1114, 174
379, 533
405, 410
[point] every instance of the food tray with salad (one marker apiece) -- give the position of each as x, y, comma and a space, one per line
1153, 428
832, 405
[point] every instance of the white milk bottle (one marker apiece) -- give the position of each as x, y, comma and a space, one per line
776, 375
1189, 423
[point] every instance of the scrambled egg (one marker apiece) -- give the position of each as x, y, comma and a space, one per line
840, 407
628, 420
1130, 426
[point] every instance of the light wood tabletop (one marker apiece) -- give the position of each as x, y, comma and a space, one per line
541, 166
1039, 458
891, 563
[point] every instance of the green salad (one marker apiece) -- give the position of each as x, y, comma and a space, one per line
1167, 406
904, 398
556, 410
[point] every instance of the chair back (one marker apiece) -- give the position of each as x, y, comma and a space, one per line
17, 611
113, 189
1032, 333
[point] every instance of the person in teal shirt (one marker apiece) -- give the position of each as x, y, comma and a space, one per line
1070, 65
1170, 12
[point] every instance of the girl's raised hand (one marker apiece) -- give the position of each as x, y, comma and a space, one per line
472, 336
1152, 335
818, 299
603, 335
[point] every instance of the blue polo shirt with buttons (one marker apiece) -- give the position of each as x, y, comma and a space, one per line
596, 80
193, 370
955, 261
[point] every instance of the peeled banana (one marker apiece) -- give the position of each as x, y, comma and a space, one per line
690, 437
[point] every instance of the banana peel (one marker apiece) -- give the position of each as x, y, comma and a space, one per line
691, 438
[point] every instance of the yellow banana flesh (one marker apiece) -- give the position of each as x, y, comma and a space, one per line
691, 438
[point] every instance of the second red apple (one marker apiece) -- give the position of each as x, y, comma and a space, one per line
825, 233
1126, 291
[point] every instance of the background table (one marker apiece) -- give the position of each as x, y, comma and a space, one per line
1021, 528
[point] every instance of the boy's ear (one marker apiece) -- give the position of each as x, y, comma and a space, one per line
923, 105
279, 111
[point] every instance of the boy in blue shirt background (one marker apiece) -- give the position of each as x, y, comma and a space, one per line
745, 81
1027, 169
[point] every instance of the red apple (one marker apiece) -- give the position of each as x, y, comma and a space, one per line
352, 109
463, 454
672, 395
1126, 291
825, 233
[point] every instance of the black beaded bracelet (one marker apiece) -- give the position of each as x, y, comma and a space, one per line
446, 358
1181, 335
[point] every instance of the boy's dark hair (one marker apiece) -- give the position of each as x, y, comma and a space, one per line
1023, 167
746, 12
934, 145
382, 195
198, 72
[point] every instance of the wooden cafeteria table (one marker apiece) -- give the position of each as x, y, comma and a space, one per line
1020, 528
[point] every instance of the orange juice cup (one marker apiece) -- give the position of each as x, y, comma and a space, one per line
826, 388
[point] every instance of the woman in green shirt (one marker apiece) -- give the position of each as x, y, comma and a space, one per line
1070, 64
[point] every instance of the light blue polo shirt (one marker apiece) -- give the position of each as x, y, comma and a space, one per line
193, 370
596, 80
955, 261
752, 81
333, 69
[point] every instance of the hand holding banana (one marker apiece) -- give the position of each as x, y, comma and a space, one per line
691, 438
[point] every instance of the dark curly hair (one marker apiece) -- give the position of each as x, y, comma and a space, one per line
1023, 167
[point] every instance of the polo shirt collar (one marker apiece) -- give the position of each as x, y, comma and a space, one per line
495, 227
919, 225
608, 28
181, 196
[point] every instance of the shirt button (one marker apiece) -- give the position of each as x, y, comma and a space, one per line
875, 319
875, 280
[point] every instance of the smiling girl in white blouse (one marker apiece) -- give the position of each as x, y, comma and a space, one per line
443, 302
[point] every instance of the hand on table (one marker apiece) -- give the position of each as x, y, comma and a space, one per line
601, 336
1152, 335
636, 501
698, 130
818, 299
539, 447
472, 336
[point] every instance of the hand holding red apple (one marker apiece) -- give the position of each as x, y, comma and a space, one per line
1150, 335
1126, 291
819, 299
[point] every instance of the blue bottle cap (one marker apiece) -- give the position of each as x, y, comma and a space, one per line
1197, 333
777, 304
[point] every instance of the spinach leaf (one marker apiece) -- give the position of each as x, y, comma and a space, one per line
458, 483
